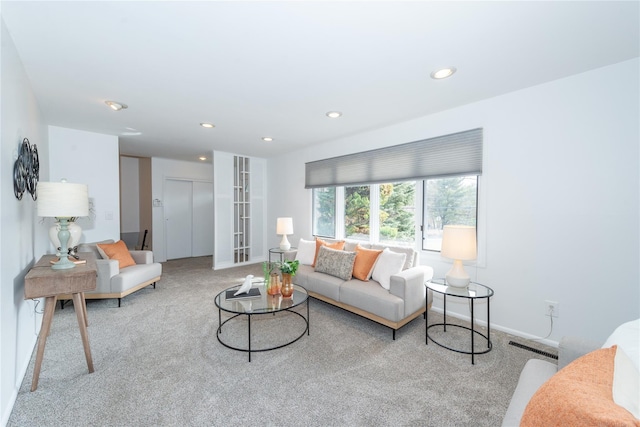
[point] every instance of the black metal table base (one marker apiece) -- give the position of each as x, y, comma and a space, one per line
250, 350
473, 331
472, 328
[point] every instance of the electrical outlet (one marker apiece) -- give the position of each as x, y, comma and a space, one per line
551, 308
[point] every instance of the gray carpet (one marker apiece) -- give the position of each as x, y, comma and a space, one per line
158, 362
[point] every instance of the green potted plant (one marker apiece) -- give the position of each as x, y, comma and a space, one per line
288, 269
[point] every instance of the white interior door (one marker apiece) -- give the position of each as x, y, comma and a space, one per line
178, 216
202, 219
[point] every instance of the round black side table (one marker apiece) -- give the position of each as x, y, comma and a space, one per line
473, 292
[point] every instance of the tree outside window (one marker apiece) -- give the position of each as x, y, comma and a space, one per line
357, 204
324, 211
397, 213
448, 201
386, 213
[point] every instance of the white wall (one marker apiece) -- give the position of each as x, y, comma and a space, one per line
145, 203
93, 159
559, 199
162, 169
129, 195
22, 238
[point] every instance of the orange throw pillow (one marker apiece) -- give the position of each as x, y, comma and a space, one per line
319, 242
580, 394
118, 251
365, 260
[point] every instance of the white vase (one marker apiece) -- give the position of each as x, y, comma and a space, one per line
75, 232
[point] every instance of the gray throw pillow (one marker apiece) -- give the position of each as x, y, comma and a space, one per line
335, 263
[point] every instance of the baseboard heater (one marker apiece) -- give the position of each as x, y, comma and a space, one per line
535, 350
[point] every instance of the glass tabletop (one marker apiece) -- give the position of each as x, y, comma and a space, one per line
474, 290
282, 251
263, 303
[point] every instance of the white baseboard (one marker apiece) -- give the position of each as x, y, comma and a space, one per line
16, 387
500, 328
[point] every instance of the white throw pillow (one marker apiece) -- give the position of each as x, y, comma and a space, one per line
626, 376
627, 337
626, 383
388, 264
306, 252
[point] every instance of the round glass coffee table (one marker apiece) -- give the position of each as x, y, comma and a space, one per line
247, 307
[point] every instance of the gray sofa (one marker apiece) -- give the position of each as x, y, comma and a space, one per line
114, 282
406, 299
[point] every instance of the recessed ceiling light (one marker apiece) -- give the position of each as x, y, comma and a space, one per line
267, 138
131, 132
207, 125
116, 106
334, 114
443, 73
203, 158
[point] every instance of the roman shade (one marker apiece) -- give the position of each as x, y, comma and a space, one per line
449, 155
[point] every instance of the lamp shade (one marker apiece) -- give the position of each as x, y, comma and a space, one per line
62, 199
284, 226
459, 242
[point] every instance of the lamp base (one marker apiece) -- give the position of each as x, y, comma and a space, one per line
63, 264
457, 276
284, 243
63, 236
75, 232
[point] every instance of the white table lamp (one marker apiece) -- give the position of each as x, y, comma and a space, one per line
284, 226
458, 244
62, 200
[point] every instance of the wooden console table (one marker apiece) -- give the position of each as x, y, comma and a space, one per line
43, 281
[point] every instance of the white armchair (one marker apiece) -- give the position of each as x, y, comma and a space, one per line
114, 282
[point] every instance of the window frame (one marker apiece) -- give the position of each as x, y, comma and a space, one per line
424, 227
430, 257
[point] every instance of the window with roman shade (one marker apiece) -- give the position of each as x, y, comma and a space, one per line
443, 156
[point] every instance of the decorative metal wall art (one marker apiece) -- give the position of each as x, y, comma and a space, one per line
26, 170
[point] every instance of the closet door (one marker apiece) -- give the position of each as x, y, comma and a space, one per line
202, 218
178, 215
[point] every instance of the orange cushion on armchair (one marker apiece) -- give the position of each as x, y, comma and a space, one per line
117, 251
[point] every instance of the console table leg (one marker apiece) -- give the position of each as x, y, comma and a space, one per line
81, 315
84, 309
49, 308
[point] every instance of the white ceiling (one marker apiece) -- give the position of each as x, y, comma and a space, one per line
274, 69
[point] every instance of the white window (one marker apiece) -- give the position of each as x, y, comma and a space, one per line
447, 201
357, 212
324, 211
397, 213
377, 213
386, 213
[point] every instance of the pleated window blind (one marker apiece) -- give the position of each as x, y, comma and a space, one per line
449, 155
